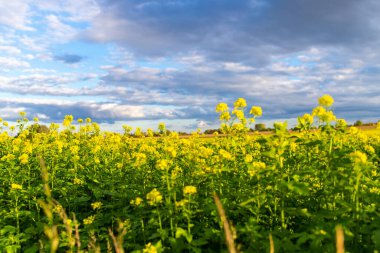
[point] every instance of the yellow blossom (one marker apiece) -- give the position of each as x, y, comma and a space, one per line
326, 100
16, 186
238, 127
306, 119
189, 190
369, 149
161, 127
358, 157
154, 197
340, 123
240, 103
23, 158
225, 116
256, 166
67, 121
353, 130
150, 248
96, 205
162, 164
256, 111
248, 158
181, 203
89, 220
327, 116
238, 113
221, 107
136, 202
318, 111
58, 209
78, 181
225, 154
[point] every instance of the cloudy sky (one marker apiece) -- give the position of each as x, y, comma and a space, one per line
140, 62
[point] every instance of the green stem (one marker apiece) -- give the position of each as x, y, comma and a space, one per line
283, 225
189, 217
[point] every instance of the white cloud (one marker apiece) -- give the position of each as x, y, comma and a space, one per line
11, 50
60, 31
15, 14
10, 111
237, 67
32, 43
77, 11
7, 63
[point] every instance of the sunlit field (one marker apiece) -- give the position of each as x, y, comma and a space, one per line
79, 189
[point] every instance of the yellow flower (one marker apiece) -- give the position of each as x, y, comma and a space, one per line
162, 164
16, 186
58, 209
225, 116
150, 248
326, 100
327, 116
89, 220
225, 154
136, 202
189, 190
340, 123
221, 107
22, 114
293, 146
161, 127
256, 166
181, 203
240, 103
150, 132
88, 120
69, 222
307, 118
238, 113
238, 126
96, 205
78, 181
358, 157
23, 158
154, 197
378, 125
256, 110
353, 130
318, 111
80, 121
8, 158
248, 158
369, 149
67, 121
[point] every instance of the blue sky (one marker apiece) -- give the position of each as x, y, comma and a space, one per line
140, 62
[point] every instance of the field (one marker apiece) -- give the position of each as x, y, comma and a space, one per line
84, 190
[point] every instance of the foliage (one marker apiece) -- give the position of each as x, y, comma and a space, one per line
102, 190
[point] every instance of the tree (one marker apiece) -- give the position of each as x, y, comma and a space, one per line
260, 127
358, 123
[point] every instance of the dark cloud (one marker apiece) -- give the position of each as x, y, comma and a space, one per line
244, 31
69, 58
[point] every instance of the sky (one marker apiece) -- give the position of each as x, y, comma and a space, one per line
141, 62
